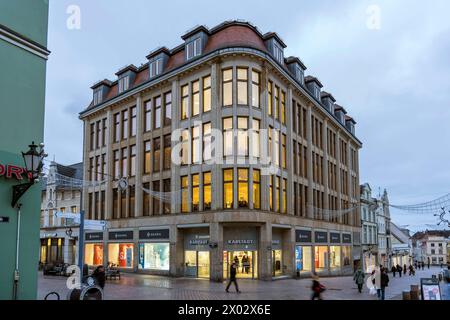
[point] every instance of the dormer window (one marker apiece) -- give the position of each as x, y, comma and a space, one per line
193, 48
124, 83
156, 67
278, 53
98, 96
299, 74
317, 92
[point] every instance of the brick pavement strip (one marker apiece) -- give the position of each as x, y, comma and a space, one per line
147, 287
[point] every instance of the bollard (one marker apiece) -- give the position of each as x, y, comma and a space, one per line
414, 295
406, 295
415, 287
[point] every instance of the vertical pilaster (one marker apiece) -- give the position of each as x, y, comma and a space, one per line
265, 252
139, 157
216, 257
309, 199
175, 181
338, 169
325, 166
109, 166
289, 152
216, 124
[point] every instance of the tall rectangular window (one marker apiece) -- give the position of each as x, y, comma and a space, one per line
98, 169
207, 94
185, 147
242, 86
185, 194
277, 194
166, 189
195, 96
98, 139
156, 201
242, 136
228, 136
228, 188
115, 207
123, 204
283, 151
124, 124
227, 83
207, 139
157, 101
147, 115
103, 166
184, 102
91, 169
256, 145
195, 192
283, 107
133, 121
146, 200
207, 191
102, 205
104, 132
269, 98
256, 189
196, 145
168, 109
243, 188
133, 160
147, 157
132, 202
124, 83
277, 102
270, 133
276, 153
157, 155
155, 67
116, 164
284, 196
117, 127
124, 162
167, 152
256, 90
193, 48
271, 193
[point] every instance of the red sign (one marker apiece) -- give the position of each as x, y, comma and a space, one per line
13, 172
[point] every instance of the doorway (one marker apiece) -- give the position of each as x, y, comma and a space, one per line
246, 262
196, 264
277, 266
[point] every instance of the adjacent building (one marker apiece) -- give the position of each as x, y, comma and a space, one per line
369, 229
59, 236
431, 246
176, 204
384, 231
23, 52
402, 251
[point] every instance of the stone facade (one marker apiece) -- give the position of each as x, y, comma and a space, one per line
314, 151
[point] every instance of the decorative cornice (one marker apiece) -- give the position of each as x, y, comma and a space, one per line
22, 42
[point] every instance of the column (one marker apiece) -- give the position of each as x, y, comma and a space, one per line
351, 214
139, 157
109, 167
338, 172
216, 123
216, 256
289, 251
325, 165
265, 252
175, 183
309, 199
289, 153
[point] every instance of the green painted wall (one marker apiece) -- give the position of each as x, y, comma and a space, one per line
22, 101
27, 17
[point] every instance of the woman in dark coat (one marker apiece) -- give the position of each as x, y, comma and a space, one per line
99, 276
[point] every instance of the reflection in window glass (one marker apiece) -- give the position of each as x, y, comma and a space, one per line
335, 256
242, 136
256, 143
228, 137
184, 194
256, 189
207, 140
196, 145
195, 192
207, 191
255, 88
207, 94
154, 256
195, 98
184, 102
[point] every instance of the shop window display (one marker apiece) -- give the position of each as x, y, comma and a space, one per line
346, 252
121, 254
335, 256
303, 258
321, 258
154, 256
93, 254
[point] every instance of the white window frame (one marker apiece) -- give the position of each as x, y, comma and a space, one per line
124, 83
155, 67
196, 50
98, 96
278, 53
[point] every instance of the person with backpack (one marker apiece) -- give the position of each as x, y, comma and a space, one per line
359, 279
317, 288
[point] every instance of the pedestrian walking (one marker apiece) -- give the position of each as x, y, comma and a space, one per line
415, 264
411, 271
99, 276
404, 269
359, 279
384, 281
233, 269
423, 265
393, 270
317, 288
399, 270
428, 265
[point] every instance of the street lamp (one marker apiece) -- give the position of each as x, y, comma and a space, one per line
33, 164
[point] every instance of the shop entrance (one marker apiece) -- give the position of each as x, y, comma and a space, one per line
196, 264
246, 262
277, 267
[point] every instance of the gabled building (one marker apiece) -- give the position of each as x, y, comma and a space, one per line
369, 226
431, 246
402, 253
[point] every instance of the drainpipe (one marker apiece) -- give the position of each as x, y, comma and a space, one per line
16, 271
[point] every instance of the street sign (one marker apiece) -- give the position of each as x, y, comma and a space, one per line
4, 219
67, 215
94, 224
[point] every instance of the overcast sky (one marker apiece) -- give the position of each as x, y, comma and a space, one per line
392, 75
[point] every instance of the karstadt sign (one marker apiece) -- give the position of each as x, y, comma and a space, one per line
10, 171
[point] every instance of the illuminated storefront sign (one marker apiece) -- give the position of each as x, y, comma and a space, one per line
10, 171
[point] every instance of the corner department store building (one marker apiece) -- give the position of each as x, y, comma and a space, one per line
230, 77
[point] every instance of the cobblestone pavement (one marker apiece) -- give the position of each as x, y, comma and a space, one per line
147, 287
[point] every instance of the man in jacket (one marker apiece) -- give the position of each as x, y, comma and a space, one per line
233, 278
359, 279
384, 281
